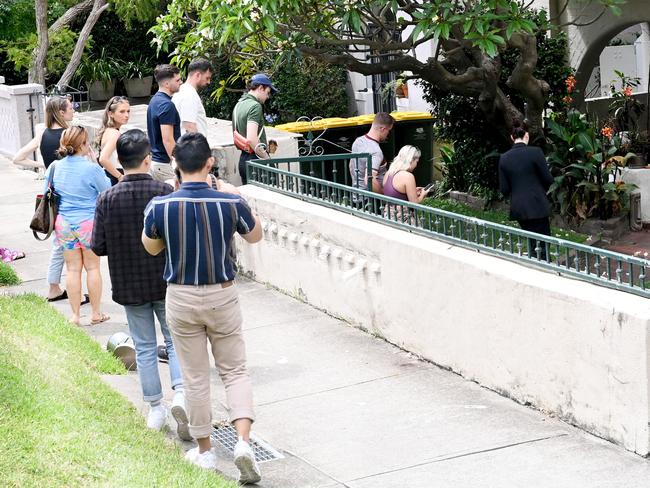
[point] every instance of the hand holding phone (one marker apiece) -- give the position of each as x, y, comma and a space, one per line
429, 188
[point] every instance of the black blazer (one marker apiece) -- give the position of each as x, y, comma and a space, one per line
525, 178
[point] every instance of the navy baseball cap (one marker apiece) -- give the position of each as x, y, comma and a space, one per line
262, 79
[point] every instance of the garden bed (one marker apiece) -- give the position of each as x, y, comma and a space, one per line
499, 217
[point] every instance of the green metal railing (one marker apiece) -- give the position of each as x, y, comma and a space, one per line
599, 266
345, 169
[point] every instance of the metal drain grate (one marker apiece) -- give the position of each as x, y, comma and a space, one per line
226, 436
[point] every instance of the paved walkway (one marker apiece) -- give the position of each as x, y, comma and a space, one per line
349, 410
633, 243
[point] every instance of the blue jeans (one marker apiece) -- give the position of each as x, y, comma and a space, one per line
142, 326
55, 266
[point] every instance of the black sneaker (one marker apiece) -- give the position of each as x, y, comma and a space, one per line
163, 357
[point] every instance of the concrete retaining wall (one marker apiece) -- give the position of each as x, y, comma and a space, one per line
564, 346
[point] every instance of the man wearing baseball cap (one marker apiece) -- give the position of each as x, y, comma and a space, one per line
248, 119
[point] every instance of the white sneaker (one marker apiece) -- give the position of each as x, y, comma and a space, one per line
245, 462
157, 417
180, 416
205, 460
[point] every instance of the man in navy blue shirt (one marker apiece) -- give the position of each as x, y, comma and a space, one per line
163, 121
195, 227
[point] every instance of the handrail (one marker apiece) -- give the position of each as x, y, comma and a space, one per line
330, 167
595, 265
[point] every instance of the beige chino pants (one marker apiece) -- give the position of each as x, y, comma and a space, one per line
209, 315
162, 171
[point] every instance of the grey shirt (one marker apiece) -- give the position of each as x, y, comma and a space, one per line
359, 167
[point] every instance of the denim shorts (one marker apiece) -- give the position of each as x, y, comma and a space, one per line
73, 236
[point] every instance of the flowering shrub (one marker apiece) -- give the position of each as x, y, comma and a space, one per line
625, 108
584, 164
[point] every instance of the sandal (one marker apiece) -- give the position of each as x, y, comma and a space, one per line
85, 300
102, 318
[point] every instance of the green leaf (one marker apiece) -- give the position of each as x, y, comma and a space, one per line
587, 142
418, 30
269, 24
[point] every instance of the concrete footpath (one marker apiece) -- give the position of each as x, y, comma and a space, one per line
348, 410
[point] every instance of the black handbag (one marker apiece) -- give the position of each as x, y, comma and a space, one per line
47, 208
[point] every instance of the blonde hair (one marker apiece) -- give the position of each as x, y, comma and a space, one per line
107, 121
71, 141
403, 160
53, 108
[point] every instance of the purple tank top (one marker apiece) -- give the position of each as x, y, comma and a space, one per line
390, 191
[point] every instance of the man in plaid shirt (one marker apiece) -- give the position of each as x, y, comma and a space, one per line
136, 276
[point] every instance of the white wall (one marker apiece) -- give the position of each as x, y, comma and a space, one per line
562, 345
15, 117
620, 58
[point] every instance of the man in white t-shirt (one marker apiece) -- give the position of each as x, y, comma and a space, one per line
187, 99
369, 144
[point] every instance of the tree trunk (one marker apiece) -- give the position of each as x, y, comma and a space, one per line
39, 57
98, 7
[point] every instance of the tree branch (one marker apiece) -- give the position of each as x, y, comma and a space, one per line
98, 7
523, 80
70, 15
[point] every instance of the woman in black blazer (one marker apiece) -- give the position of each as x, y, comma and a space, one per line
525, 178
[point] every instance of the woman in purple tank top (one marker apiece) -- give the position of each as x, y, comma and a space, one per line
399, 182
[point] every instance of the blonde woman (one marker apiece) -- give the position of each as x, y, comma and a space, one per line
59, 112
399, 181
78, 180
116, 114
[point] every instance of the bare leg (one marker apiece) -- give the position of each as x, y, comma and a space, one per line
243, 428
55, 290
94, 282
73, 264
204, 444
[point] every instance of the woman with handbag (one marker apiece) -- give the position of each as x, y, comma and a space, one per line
59, 112
77, 181
116, 114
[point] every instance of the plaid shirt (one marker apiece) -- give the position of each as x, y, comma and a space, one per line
136, 276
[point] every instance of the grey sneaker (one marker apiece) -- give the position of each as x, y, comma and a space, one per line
249, 471
180, 416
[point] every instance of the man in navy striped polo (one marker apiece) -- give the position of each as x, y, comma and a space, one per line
195, 226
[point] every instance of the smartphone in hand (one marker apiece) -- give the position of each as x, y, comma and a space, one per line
429, 188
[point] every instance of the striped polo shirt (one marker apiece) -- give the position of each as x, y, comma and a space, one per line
198, 224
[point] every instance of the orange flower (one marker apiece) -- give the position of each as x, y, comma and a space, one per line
570, 83
627, 91
568, 100
607, 132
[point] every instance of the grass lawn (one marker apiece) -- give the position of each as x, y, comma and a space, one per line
8, 276
60, 424
496, 216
